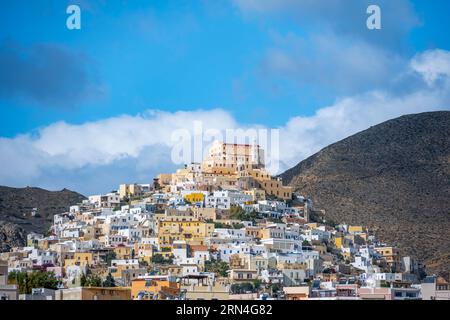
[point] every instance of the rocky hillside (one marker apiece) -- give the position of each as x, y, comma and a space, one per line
394, 178
16, 211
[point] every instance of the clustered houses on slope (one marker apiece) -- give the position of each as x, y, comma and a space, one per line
220, 229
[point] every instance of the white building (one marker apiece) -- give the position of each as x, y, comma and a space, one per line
110, 200
227, 250
222, 233
226, 198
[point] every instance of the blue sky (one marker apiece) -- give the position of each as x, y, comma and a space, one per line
265, 63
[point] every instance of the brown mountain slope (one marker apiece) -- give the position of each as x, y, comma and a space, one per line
393, 178
16, 205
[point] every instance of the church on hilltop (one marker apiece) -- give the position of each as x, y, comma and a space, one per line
228, 166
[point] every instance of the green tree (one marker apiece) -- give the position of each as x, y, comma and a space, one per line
218, 267
47, 233
95, 281
237, 213
257, 284
36, 279
274, 287
83, 280
143, 263
159, 259
253, 215
219, 225
90, 281
109, 256
239, 288
306, 243
109, 281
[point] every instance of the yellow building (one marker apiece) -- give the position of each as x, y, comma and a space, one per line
390, 254
269, 233
33, 239
338, 242
260, 179
44, 244
130, 191
171, 270
154, 288
355, 229
275, 188
254, 232
312, 226
232, 155
195, 197
256, 194
182, 175
207, 292
205, 213
193, 232
90, 233
230, 165
80, 259
164, 179
143, 252
216, 180
123, 252
296, 293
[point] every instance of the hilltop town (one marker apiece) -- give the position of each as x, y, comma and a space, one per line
223, 229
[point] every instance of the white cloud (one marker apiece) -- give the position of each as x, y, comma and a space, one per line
61, 147
304, 136
432, 65
105, 141
96, 156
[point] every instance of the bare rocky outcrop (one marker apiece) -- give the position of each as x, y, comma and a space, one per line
16, 212
393, 178
11, 235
